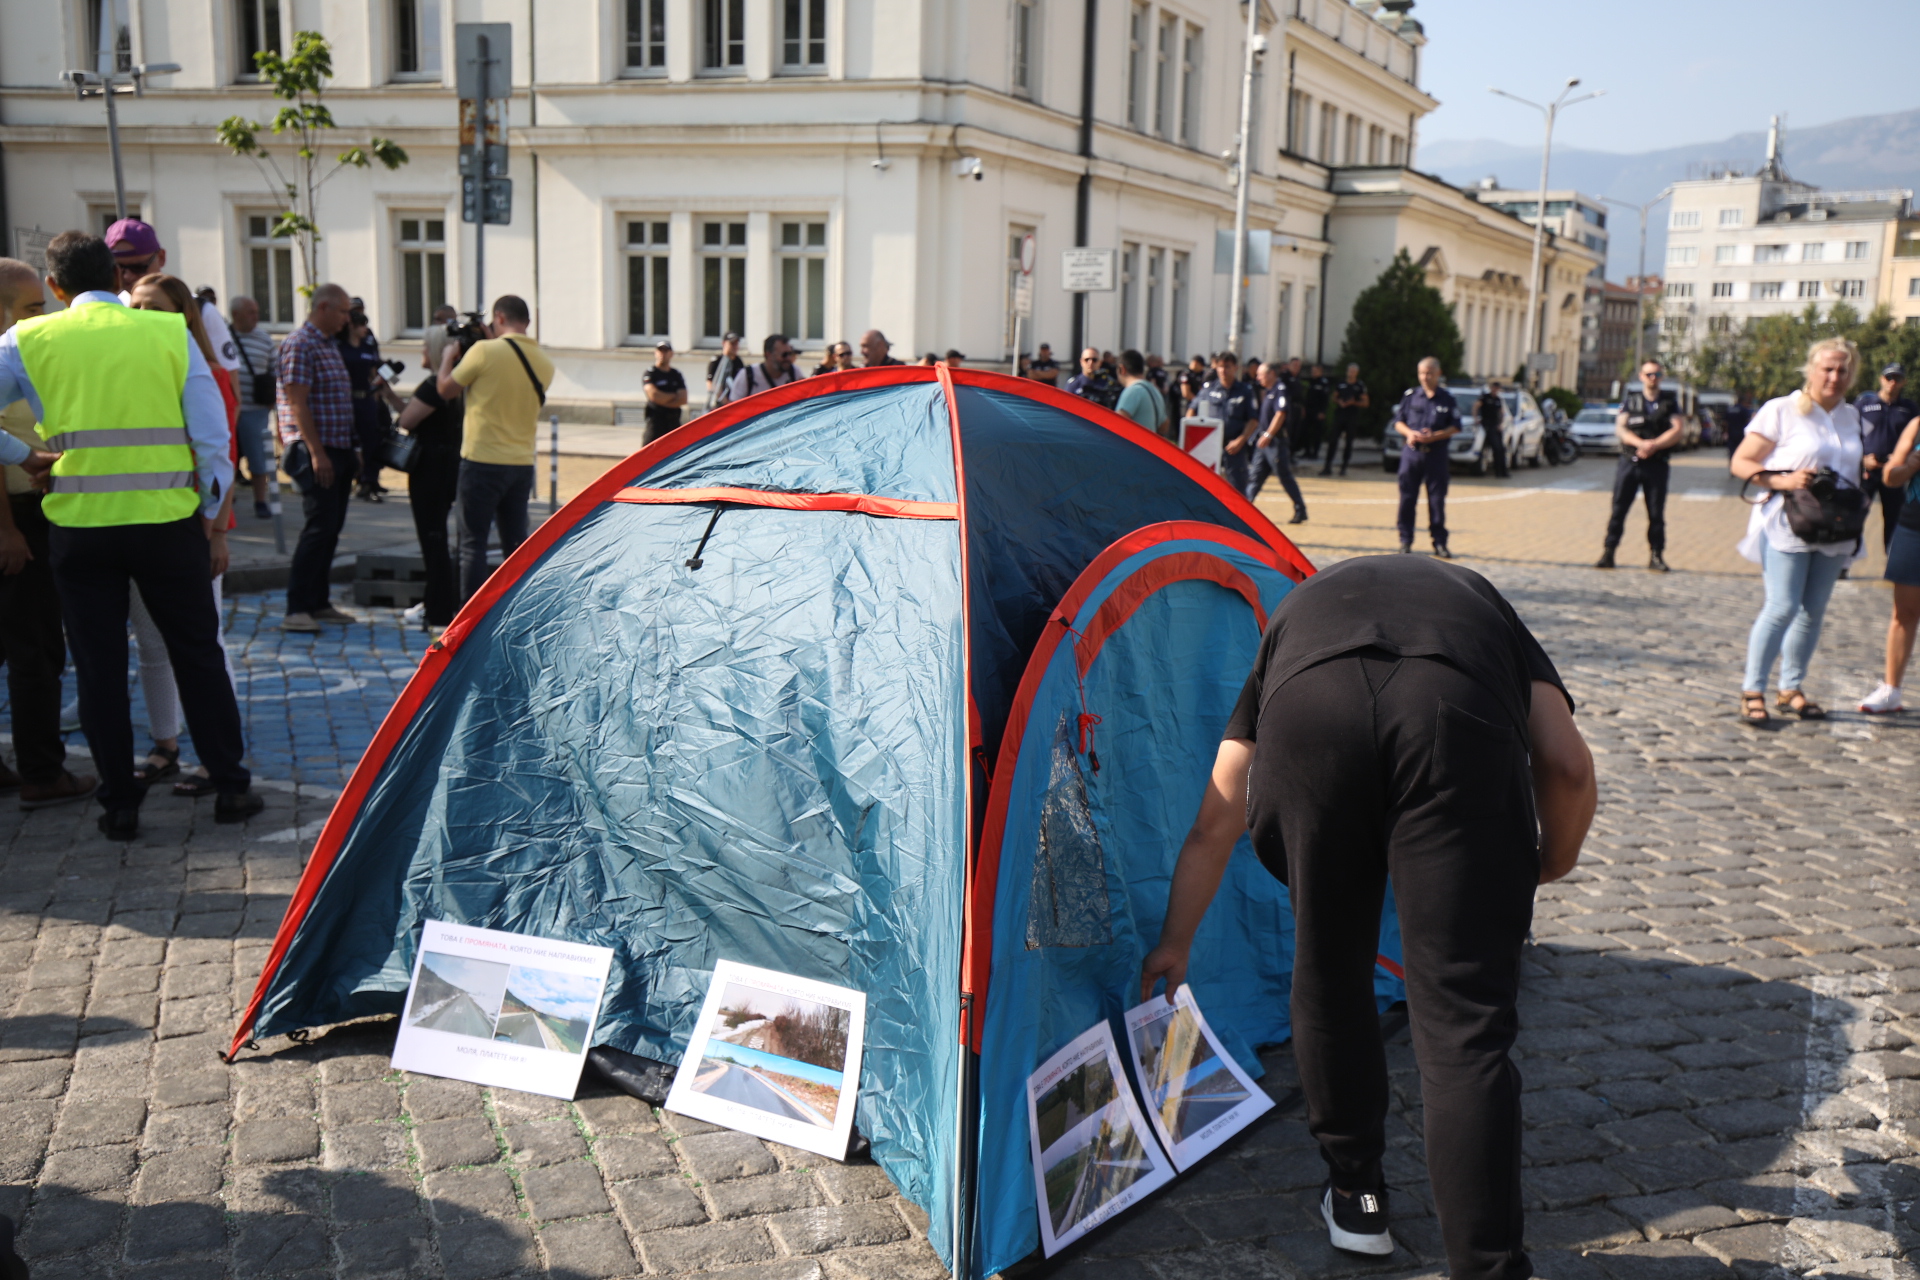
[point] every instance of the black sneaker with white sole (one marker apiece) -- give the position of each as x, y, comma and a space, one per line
1357, 1223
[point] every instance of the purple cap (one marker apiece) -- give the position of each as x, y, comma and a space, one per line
132, 238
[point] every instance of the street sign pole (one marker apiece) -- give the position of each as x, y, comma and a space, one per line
480, 224
484, 83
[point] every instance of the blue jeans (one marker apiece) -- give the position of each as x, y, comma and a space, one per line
252, 430
1799, 584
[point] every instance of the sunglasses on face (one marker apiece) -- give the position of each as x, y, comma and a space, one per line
136, 269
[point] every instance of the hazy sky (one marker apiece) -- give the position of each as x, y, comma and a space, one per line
1675, 71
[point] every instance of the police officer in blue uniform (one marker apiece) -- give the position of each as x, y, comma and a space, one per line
1649, 426
1233, 402
1883, 416
1271, 454
1426, 419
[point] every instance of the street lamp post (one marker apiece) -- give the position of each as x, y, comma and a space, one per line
92, 84
1640, 289
1535, 324
1237, 304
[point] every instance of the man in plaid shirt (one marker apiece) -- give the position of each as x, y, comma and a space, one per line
316, 424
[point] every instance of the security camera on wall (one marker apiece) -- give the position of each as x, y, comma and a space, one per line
969, 167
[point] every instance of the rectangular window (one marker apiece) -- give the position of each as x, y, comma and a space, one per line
1396, 150
1684, 219
259, 31
1723, 288
1719, 324
803, 280
1329, 131
416, 39
1730, 217
423, 270
646, 37
1165, 55
1725, 253
1813, 252
1129, 295
1283, 319
1675, 290
1137, 67
804, 46
1376, 136
112, 32
1809, 289
1025, 24
1351, 153
1856, 250
1015, 234
647, 279
1682, 255
1156, 297
723, 279
270, 270
1299, 118
1769, 253
1766, 290
1190, 87
1913, 287
1309, 299
723, 43
1853, 288
1181, 285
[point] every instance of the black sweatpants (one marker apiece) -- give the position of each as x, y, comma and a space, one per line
1640, 475
1380, 767
168, 564
35, 649
431, 487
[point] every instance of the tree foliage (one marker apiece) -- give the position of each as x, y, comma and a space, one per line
1766, 355
1398, 321
1569, 401
300, 129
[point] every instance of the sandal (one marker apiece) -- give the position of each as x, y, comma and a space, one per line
193, 784
162, 762
1753, 708
1797, 702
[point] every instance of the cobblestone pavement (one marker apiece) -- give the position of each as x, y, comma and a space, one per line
1719, 1011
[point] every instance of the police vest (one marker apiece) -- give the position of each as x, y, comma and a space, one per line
109, 380
1649, 421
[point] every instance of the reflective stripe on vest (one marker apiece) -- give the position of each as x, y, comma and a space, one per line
109, 380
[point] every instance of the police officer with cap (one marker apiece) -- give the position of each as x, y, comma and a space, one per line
1426, 419
1884, 415
1233, 402
1649, 425
126, 398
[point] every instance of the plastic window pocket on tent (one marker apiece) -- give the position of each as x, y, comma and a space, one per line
1069, 905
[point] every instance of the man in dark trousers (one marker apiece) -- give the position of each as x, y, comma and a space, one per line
1737, 419
1649, 425
1271, 455
1349, 398
666, 392
1883, 416
1400, 724
1491, 413
143, 470
1234, 403
1317, 388
1426, 419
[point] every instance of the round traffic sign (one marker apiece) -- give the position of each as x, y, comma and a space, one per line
1027, 251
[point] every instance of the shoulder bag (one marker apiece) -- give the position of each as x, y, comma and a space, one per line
263, 388
1822, 514
521, 356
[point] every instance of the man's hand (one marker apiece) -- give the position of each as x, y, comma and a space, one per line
322, 464
1870, 463
1644, 450
217, 553
1237, 443
14, 552
39, 463
1163, 961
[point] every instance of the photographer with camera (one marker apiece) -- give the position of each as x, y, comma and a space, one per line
1805, 449
505, 376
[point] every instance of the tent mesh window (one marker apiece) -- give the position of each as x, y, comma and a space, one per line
1068, 906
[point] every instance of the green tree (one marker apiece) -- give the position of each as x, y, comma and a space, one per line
300, 79
1766, 356
1569, 401
1398, 321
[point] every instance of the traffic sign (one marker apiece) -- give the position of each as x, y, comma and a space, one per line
1543, 362
499, 201
1028, 253
1259, 251
496, 137
466, 52
1023, 295
1086, 270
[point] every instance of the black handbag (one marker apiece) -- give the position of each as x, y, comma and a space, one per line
400, 449
263, 386
1825, 512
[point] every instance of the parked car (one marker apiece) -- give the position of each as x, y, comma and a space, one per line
1524, 429
1593, 429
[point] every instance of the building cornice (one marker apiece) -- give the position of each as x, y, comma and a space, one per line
1311, 37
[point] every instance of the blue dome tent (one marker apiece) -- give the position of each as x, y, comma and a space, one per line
904, 679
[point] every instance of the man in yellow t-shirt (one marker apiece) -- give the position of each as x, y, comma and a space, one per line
505, 380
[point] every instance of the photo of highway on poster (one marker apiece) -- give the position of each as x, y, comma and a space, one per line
776, 1053
1195, 1095
1089, 1151
458, 994
547, 1009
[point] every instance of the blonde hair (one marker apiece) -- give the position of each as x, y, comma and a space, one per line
1804, 400
175, 291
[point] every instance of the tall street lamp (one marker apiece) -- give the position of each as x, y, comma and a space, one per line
1550, 111
1640, 289
1237, 303
92, 84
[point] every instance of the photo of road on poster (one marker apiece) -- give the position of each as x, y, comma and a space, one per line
774, 1055
1196, 1094
458, 995
547, 1010
1091, 1154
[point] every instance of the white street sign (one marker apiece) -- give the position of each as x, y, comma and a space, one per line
1087, 270
1023, 296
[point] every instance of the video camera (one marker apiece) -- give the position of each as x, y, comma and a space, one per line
469, 329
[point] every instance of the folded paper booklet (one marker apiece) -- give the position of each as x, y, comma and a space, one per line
1196, 1094
505, 1009
1092, 1156
776, 1056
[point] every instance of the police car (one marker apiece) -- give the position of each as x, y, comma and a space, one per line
1592, 429
1524, 426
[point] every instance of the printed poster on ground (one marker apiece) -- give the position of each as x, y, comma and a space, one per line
505, 1009
1196, 1094
775, 1055
1092, 1156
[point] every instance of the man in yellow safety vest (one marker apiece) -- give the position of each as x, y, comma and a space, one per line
139, 433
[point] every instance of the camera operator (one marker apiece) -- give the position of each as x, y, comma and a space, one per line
505, 377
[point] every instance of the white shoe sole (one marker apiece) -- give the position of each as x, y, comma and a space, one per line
1380, 1245
1880, 711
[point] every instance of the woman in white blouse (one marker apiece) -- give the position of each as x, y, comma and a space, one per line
1790, 440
